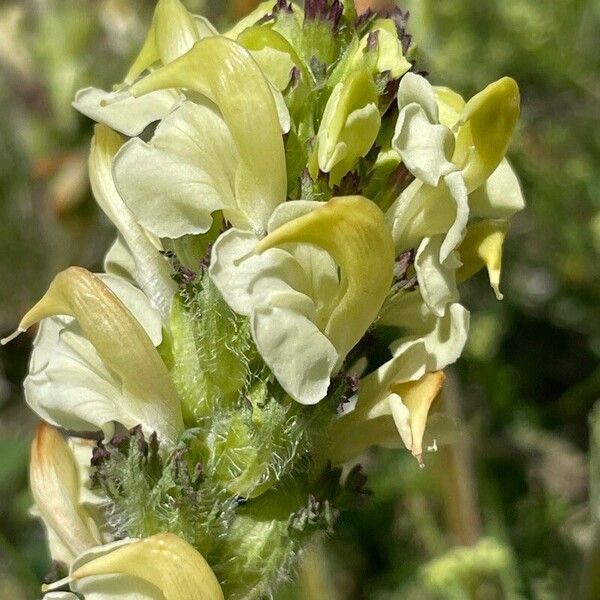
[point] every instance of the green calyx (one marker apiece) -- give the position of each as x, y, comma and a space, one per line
251, 544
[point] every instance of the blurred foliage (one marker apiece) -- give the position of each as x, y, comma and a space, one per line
505, 511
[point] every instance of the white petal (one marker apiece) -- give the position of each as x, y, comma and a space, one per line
437, 282
129, 116
246, 279
119, 261
299, 354
458, 192
74, 389
415, 89
500, 197
423, 211
174, 183
426, 148
110, 587
150, 269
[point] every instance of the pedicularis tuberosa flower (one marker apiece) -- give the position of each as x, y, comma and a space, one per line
295, 208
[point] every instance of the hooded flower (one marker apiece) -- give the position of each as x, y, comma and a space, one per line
311, 288
161, 567
455, 150
58, 493
203, 157
95, 360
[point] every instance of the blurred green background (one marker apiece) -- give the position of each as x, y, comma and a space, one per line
511, 510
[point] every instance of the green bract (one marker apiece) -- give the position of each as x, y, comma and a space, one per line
295, 209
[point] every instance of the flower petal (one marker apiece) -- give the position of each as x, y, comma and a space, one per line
450, 106
423, 211
120, 341
164, 561
129, 116
247, 280
152, 272
55, 486
500, 196
437, 282
119, 261
300, 356
227, 75
349, 126
426, 148
491, 117
418, 398
186, 172
415, 89
353, 231
482, 247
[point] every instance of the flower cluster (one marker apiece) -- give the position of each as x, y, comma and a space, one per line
296, 206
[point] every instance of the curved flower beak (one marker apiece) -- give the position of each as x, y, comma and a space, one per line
482, 247
121, 342
390, 417
488, 122
55, 485
173, 32
164, 562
